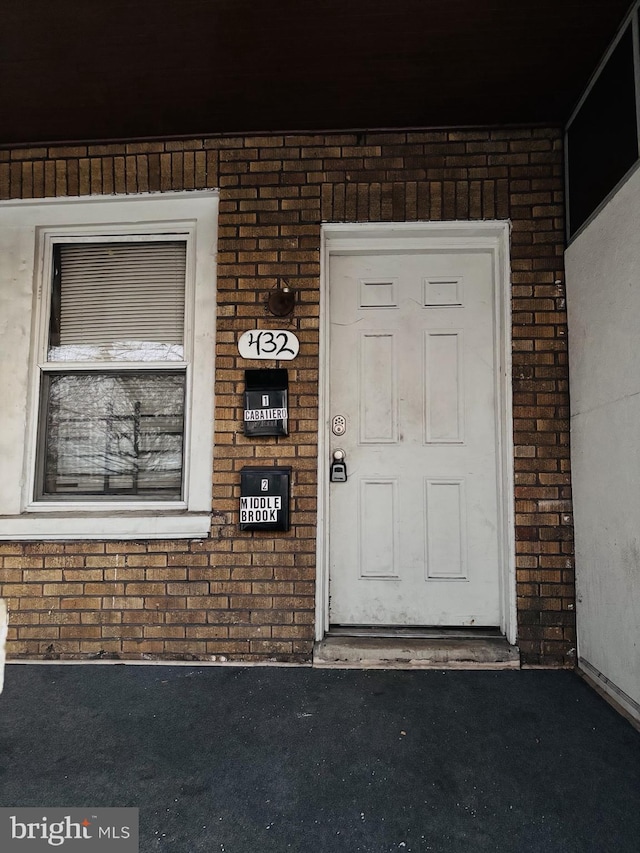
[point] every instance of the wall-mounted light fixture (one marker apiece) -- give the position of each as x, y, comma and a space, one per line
281, 300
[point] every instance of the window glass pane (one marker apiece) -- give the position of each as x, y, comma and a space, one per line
118, 301
113, 435
602, 140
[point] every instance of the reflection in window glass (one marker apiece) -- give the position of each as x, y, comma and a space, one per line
113, 435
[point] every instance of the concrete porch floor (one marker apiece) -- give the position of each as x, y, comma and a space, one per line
232, 759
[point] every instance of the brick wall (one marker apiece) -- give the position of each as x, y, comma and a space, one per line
251, 595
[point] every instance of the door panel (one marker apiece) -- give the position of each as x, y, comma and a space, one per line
413, 533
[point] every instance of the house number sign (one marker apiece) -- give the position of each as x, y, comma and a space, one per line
268, 343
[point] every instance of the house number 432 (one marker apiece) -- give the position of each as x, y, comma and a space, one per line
268, 343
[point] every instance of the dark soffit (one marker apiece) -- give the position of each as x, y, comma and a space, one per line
133, 69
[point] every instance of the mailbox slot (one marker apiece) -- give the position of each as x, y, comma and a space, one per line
266, 402
264, 498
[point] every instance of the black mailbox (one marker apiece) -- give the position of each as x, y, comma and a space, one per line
264, 498
266, 402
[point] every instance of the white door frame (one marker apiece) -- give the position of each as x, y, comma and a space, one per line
368, 238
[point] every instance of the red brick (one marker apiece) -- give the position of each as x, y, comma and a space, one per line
272, 189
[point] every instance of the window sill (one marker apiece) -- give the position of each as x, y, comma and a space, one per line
124, 525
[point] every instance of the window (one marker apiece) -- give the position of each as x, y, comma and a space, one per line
116, 430
602, 136
119, 439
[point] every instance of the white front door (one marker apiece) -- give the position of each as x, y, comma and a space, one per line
414, 531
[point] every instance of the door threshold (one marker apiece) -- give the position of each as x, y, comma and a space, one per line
411, 652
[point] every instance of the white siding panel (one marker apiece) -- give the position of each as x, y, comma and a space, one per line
603, 301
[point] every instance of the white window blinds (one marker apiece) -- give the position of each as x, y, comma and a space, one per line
118, 300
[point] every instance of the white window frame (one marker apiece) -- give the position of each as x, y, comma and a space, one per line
48, 238
30, 228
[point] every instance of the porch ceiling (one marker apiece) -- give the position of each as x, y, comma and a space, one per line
116, 69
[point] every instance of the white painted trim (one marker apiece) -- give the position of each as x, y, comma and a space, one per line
322, 550
506, 474
370, 238
119, 524
100, 200
105, 507
47, 237
35, 223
